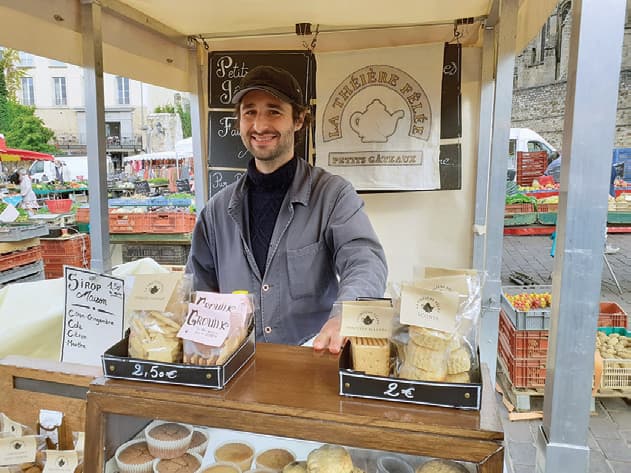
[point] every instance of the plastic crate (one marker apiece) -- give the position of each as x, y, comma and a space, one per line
163, 254
172, 222
547, 208
83, 215
536, 319
73, 245
547, 218
612, 315
20, 258
618, 217
511, 220
519, 208
616, 373
14, 200
22, 231
523, 372
129, 223
530, 166
83, 227
524, 343
59, 206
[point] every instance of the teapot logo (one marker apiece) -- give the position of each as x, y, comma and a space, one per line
375, 124
17, 445
154, 288
428, 308
61, 462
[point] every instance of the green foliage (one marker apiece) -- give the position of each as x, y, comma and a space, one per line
183, 112
9, 62
4, 104
27, 131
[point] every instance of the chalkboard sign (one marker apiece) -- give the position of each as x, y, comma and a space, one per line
142, 187
450, 167
220, 178
225, 148
183, 185
450, 111
227, 68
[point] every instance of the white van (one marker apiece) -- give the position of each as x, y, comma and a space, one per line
76, 169
526, 140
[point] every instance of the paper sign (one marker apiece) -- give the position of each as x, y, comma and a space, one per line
152, 291
430, 309
457, 284
206, 326
93, 317
16, 450
236, 304
10, 426
434, 272
363, 319
61, 461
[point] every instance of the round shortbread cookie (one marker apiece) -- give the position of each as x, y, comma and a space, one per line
428, 338
426, 358
441, 466
458, 378
412, 372
459, 361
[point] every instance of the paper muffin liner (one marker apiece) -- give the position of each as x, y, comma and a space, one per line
167, 448
132, 467
193, 454
201, 448
259, 466
243, 465
208, 468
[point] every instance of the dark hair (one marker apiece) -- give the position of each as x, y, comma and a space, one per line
14, 178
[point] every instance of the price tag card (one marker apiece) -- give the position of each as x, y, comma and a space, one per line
93, 316
61, 461
152, 291
10, 426
365, 319
430, 309
206, 326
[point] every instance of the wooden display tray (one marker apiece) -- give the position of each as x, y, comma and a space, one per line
28, 385
293, 392
359, 384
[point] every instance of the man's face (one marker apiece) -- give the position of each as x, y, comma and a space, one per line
267, 129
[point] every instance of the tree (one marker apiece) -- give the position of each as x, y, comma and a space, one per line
9, 62
4, 104
183, 112
27, 131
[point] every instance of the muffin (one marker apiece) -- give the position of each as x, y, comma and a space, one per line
134, 457
441, 466
274, 459
187, 463
329, 459
222, 467
168, 439
240, 453
296, 467
199, 442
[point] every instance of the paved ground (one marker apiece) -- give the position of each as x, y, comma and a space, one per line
609, 436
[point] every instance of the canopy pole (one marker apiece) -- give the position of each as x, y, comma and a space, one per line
505, 34
199, 129
101, 261
589, 127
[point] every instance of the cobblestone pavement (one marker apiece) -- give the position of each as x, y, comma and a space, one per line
609, 436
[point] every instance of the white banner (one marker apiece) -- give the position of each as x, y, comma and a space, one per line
379, 116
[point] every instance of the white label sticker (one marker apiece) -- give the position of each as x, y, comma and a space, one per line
430, 309
16, 450
61, 461
206, 326
363, 319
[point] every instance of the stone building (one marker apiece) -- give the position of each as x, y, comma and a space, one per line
540, 80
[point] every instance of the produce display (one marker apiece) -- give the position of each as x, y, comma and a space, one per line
528, 301
520, 198
614, 345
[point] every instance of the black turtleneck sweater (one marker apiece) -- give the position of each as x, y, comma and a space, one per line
265, 196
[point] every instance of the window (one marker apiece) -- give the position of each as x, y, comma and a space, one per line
28, 96
26, 60
60, 90
537, 146
123, 90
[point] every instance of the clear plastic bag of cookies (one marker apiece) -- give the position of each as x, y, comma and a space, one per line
25, 453
64, 461
153, 333
240, 307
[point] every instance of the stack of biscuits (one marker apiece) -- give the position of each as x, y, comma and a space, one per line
153, 336
433, 355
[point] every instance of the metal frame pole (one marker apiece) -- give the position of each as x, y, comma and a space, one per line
95, 135
199, 117
505, 35
590, 115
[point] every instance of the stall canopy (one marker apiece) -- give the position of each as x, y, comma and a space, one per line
14, 154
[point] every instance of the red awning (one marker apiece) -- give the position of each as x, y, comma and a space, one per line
25, 154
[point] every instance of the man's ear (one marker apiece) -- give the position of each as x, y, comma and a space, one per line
299, 122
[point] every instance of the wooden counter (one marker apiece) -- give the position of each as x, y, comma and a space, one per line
293, 392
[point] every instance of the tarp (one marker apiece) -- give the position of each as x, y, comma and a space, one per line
14, 154
159, 156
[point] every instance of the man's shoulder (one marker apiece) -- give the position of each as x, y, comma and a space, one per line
322, 177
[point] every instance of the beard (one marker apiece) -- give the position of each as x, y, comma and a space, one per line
283, 145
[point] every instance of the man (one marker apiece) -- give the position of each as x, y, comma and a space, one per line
293, 235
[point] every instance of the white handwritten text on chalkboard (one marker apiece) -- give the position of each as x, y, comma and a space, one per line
229, 70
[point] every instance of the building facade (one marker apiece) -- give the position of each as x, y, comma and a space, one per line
57, 92
540, 80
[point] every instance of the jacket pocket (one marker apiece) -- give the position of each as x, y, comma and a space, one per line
309, 269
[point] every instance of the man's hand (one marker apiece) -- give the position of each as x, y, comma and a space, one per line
329, 336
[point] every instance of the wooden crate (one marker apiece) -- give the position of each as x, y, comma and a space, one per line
28, 385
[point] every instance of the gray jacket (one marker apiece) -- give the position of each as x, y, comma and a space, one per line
323, 249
